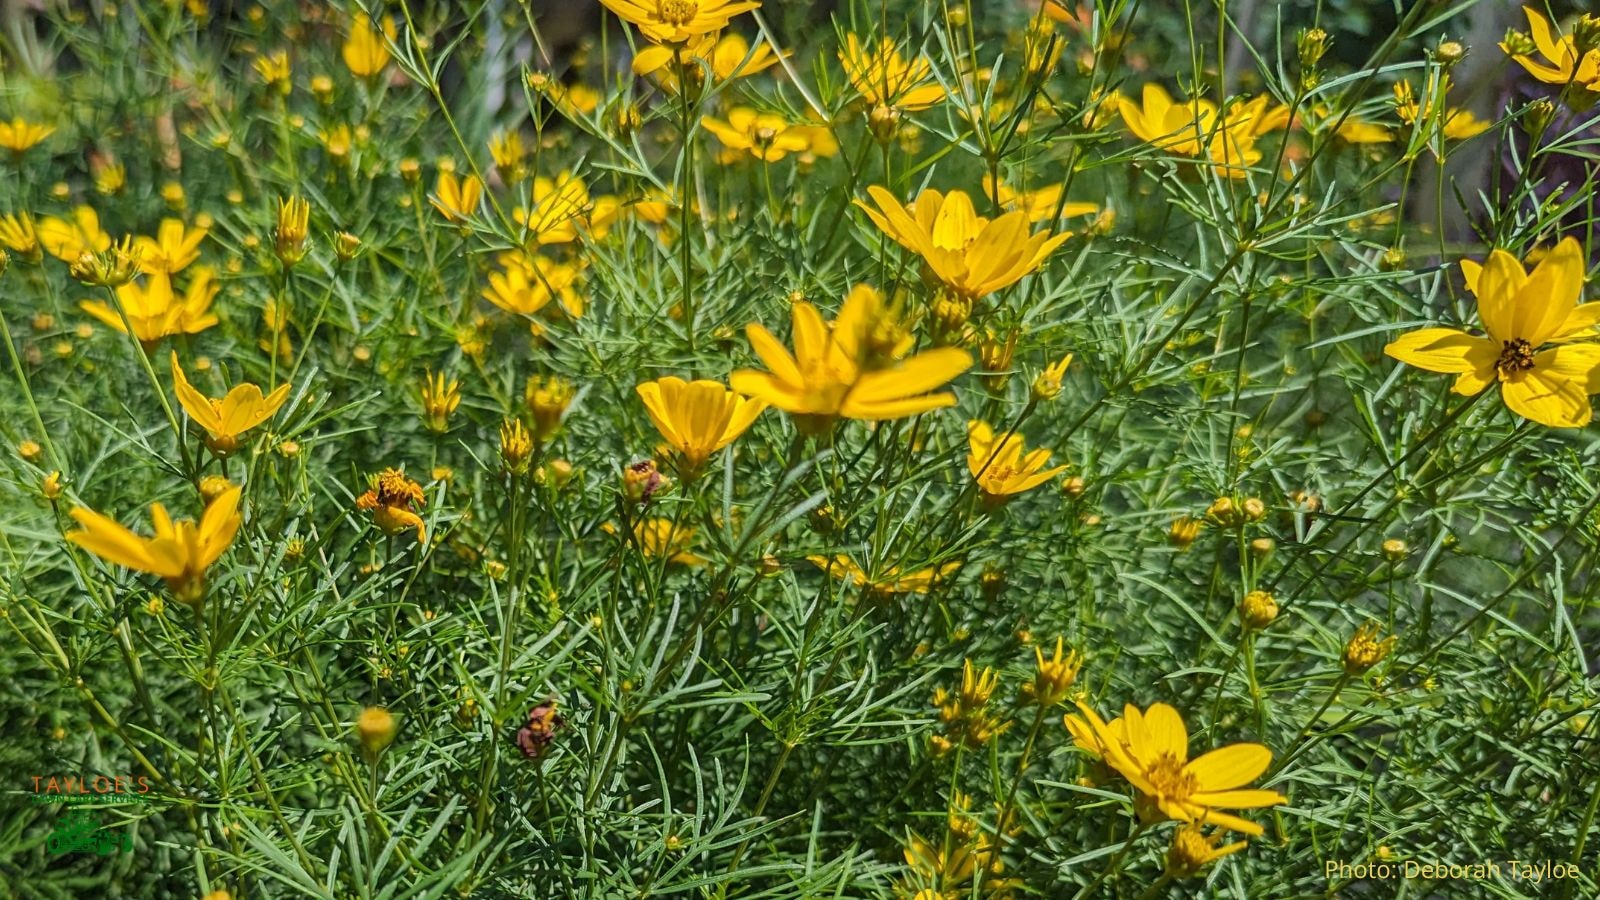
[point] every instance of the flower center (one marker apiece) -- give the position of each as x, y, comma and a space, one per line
1515, 356
1169, 779
764, 135
677, 12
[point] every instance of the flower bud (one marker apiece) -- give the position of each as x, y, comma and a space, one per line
375, 728
1312, 44
1257, 610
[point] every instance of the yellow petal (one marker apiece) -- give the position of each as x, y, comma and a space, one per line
1229, 767
1444, 350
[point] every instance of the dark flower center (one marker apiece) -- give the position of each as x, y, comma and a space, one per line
1515, 356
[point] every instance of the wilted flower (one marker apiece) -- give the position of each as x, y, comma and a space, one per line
1364, 650
534, 738
390, 499
1192, 850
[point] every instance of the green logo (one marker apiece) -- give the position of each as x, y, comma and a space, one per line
80, 832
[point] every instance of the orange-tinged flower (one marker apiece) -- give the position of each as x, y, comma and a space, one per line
225, 420
156, 311
20, 136
172, 249
1000, 467
1522, 313
970, 254
697, 418
826, 377
365, 52
883, 77
677, 21
69, 240
1151, 751
179, 552
390, 498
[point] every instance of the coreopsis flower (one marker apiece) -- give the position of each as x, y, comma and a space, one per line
346, 246
455, 198
765, 136
1151, 750
375, 730
1086, 738
890, 580
969, 254
1052, 678
534, 737
1449, 122
678, 21
275, 71
1197, 129
392, 499
660, 538
337, 141
729, 56
548, 397
830, 374
697, 418
172, 249
1538, 342
1040, 204
516, 446
227, 419
1047, 386
1001, 468
527, 283
155, 310
885, 78
559, 207
440, 397
294, 225
944, 869
19, 136
1364, 650
111, 268
1192, 850
1564, 62
19, 235
1257, 610
642, 481
509, 154
70, 240
964, 714
365, 52
179, 552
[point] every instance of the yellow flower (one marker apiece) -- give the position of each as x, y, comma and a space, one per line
156, 311
274, 70
969, 254
225, 420
508, 152
1053, 678
1151, 750
173, 248
659, 538
697, 418
516, 446
729, 56
390, 498
528, 283
19, 136
677, 21
455, 198
559, 205
1039, 204
1192, 850
179, 552
828, 376
1521, 314
885, 78
1197, 129
294, 224
889, 580
440, 397
67, 241
365, 52
1364, 650
548, 397
1563, 63
766, 137
1001, 468
18, 234
1048, 385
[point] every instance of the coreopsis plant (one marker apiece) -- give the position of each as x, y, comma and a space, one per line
1539, 345
1000, 467
697, 418
173, 249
